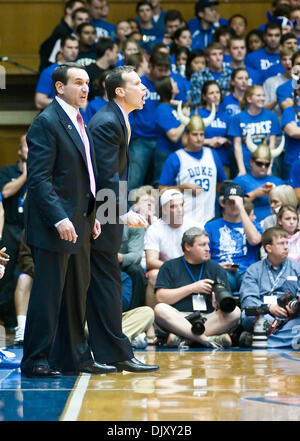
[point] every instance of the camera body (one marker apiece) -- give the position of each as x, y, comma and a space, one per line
197, 322
291, 301
224, 298
256, 310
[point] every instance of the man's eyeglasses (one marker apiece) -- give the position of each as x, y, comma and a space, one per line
262, 164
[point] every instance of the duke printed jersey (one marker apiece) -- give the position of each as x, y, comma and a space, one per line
202, 172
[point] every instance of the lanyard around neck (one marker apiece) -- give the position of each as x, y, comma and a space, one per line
190, 272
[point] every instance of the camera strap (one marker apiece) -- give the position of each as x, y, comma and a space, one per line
199, 303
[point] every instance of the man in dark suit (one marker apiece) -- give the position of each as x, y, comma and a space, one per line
110, 131
59, 222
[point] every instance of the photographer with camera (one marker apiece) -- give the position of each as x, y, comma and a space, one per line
271, 287
193, 283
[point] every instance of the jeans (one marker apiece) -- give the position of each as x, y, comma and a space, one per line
141, 154
235, 280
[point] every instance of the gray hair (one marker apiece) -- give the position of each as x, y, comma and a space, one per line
190, 235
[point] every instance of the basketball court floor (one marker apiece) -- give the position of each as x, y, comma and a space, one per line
192, 385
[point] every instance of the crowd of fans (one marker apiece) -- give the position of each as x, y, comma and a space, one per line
214, 165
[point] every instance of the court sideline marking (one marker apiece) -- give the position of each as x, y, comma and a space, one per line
74, 404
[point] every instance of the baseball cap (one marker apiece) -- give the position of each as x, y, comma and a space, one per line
170, 194
201, 4
231, 189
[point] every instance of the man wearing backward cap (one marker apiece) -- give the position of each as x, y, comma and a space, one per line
195, 170
257, 183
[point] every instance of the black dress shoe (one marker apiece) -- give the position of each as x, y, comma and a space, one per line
93, 367
134, 365
40, 372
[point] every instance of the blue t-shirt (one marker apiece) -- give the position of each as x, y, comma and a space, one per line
264, 124
292, 145
183, 86
294, 178
255, 76
219, 127
284, 91
261, 59
44, 84
171, 168
93, 107
248, 182
143, 121
276, 69
103, 28
231, 105
228, 243
165, 120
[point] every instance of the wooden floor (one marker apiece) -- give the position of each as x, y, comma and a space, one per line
191, 385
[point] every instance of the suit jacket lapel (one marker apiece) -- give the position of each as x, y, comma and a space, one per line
71, 131
122, 121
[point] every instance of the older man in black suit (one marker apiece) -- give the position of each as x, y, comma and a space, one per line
110, 131
59, 222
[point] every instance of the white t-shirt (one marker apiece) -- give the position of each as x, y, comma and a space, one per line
167, 240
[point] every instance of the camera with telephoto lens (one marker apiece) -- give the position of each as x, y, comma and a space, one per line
256, 310
224, 298
291, 301
197, 322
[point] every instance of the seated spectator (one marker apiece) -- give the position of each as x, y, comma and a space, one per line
267, 281
257, 120
169, 128
196, 61
213, 71
173, 21
279, 196
79, 15
271, 84
130, 47
258, 183
163, 237
223, 35
206, 20
44, 92
185, 285
122, 32
181, 56
238, 85
291, 127
234, 238
294, 178
151, 34
265, 57
99, 10
99, 101
106, 58
289, 42
288, 220
63, 29
158, 14
254, 40
216, 133
196, 170
285, 92
237, 52
87, 44
140, 63
13, 179
239, 24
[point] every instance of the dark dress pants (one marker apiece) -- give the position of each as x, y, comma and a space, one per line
56, 314
104, 310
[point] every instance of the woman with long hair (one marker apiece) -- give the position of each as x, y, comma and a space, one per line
257, 120
216, 134
238, 85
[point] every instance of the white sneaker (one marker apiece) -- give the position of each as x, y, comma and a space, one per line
19, 336
140, 341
